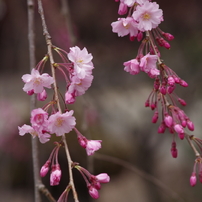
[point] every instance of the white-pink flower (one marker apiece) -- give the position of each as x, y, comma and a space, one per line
35, 82
39, 119
43, 136
148, 16
148, 64
125, 26
79, 86
82, 61
61, 123
132, 66
92, 146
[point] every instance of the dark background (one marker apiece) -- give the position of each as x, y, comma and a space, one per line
115, 102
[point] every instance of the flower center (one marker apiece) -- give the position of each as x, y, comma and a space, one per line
37, 81
146, 16
59, 122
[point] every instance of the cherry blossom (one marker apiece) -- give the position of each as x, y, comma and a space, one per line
35, 82
79, 86
148, 16
125, 26
43, 136
39, 119
61, 123
92, 146
148, 64
82, 61
132, 66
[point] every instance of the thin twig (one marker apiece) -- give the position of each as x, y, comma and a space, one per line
142, 174
31, 41
56, 97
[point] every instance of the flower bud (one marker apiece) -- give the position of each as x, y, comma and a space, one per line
190, 125
103, 178
93, 192
193, 179
168, 120
45, 168
55, 175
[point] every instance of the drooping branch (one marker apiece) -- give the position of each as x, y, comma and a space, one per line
56, 94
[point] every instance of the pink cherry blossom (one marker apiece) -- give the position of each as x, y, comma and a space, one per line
35, 82
148, 16
39, 119
79, 86
92, 146
55, 175
148, 65
61, 123
132, 66
69, 98
43, 136
82, 61
125, 26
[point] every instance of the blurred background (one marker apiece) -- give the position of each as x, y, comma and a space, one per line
114, 105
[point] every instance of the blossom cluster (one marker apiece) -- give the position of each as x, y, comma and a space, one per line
76, 67
142, 21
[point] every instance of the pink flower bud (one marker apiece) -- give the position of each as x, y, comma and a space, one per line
97, 185
181, 135
55, 175
178, 128
93, 192
190, 125
122, 9
163, 90
170, 89
30, 92
147, 103
182, 102
155, 117
162, 128
193, 179
168, 120
153, 106
177, 79
174, 150
166, 45
132, 38
171, 80
42, 96
183, 83
82, 141
168, 36
103, 178
45, 168
139, 36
